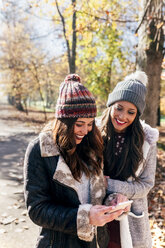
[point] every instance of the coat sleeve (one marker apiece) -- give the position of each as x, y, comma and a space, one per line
41, 209
134, 189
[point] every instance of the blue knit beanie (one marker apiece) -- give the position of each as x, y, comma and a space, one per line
132, 89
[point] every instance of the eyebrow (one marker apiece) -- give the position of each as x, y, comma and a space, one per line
84, 122
129, 108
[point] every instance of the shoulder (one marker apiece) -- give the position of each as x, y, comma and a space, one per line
33, 145
47, 144
151, 134
98, 121
32, 151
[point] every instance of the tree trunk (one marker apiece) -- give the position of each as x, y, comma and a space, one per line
150, 54
18, 103
158, 119
70, 52
10, 99
74, 41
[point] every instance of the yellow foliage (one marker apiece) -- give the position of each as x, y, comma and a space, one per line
162, 105
160, 25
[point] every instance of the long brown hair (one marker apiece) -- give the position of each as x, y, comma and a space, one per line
85, 157
132, 155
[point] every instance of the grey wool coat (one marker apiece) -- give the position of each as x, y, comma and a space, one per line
134, 227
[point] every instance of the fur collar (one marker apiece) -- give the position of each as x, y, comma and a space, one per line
63, 174
47, 145
151, 134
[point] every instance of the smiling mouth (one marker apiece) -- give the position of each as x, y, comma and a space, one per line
79, 137
120, 122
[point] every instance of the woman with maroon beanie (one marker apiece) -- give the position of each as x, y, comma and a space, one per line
64, 182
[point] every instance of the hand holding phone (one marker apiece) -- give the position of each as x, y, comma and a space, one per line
121, 205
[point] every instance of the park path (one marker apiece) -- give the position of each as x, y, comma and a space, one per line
16, 229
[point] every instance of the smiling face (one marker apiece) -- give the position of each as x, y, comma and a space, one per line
122, 114
81, 128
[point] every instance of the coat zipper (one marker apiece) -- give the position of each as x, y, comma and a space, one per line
66, 186
52, 241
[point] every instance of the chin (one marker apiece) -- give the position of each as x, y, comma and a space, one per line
119, 129
78, 142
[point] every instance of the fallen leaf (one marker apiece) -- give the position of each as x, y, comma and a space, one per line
2, 231
26, 227
8, 220
24, 213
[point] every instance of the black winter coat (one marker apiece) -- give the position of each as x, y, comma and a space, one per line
53, 202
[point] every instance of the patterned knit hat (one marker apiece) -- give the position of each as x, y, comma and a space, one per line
132, 89
75, 100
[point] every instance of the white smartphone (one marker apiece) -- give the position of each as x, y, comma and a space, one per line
121, 205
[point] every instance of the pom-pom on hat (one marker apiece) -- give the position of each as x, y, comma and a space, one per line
132, 89
75, 100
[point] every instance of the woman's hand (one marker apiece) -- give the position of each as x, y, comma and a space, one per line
122, 198
99, 215
114, 199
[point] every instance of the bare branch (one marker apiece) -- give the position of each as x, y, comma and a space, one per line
64, 31
145, 12
74, 37
41, 17
105, 19
43, 36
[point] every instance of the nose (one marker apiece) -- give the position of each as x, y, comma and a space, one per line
85, 130
122, 116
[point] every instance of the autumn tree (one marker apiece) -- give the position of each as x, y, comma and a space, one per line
101, 52
90, 35
150, 53
14, 51
71, 43
26, 71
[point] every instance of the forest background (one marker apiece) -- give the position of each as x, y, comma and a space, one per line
41, 41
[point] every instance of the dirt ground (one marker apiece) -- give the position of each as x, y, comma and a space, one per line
16, 229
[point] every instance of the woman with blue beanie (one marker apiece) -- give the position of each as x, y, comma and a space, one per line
129, 159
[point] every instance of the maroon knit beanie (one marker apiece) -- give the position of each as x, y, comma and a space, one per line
75, 100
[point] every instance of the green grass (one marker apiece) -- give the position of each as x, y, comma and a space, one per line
39, 106
161, 146
162, 119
